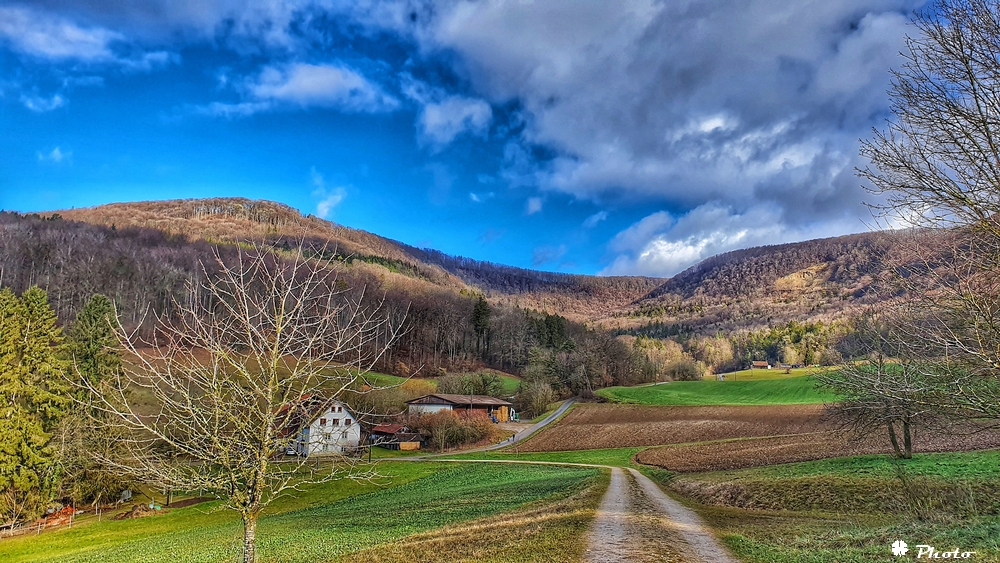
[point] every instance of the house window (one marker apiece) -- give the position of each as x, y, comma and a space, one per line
343, 434
335, 422
322, 422
347, 422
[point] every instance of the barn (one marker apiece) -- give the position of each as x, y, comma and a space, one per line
497, 409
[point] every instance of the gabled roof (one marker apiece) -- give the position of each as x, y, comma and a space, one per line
388, 428
460, 400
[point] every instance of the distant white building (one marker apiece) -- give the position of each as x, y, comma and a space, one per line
326, 426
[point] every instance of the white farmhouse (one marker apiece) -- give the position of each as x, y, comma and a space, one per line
326, 427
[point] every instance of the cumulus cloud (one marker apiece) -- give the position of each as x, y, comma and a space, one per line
659, 245
754, 104
324, 85
443, 116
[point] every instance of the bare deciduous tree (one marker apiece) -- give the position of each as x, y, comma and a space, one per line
215, 397
937, 165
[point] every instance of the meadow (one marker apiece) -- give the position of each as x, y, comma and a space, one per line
797, 390
327, 522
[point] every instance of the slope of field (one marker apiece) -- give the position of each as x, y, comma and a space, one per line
318, 525
791, 391
774, 450
597, 426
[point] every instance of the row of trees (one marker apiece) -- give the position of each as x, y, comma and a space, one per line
45, 443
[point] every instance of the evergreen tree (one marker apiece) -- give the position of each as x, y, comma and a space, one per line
93, 347
32, 398
95, 355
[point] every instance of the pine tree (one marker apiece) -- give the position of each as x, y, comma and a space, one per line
32, 398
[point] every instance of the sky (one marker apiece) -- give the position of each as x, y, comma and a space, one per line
634, 137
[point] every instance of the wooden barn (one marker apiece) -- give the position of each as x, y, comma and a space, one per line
496, 409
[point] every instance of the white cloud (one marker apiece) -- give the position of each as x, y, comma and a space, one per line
323, 85
41, 105
480, 198
678, 104
442, 122
657, 246
593, 220
329, 198
534, 205
50, 37
443, 116
55, 156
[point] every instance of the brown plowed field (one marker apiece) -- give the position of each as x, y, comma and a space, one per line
755, 452
739, 437
595, 426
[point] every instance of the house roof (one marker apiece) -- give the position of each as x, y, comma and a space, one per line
388, 428
460, 400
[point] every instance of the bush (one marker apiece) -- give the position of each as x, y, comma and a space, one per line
685, 370
448, 429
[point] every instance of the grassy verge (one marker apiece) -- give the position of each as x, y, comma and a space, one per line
618, 457
323, 523
791, 391
542, 531
803, 538
852, 509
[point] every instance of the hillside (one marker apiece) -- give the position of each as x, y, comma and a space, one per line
228, 219
820, 279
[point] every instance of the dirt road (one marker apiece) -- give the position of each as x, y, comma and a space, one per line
637, 522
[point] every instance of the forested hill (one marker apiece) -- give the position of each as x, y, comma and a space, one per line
845, 262
813, 280
228, 219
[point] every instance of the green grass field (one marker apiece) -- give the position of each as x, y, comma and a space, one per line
851, 509
321, 524
766, 374
788, 391
617, 457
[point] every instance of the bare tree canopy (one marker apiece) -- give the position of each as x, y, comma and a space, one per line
213, 399
938, 161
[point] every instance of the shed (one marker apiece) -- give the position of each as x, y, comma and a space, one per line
497, 409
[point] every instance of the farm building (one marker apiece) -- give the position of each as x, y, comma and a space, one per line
760, 365
323, 426
497, 409
395, 437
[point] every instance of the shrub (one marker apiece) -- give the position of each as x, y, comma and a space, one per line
448, 429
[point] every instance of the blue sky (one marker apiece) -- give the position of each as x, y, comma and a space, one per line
633, 137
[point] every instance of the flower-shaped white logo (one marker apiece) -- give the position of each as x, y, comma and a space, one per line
899, 548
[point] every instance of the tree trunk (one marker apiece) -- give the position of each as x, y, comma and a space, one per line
249, 538
907, 442
892, 438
